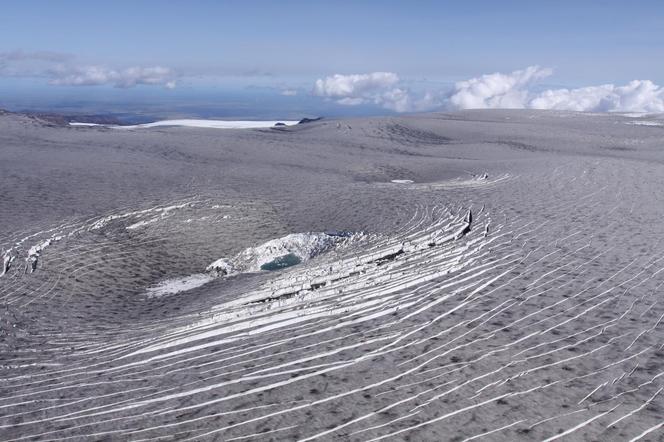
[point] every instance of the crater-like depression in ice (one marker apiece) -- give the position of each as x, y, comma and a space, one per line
273, 255
279, 253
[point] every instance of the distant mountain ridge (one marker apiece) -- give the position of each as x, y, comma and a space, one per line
64, 119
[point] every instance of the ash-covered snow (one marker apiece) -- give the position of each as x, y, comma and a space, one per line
543, 320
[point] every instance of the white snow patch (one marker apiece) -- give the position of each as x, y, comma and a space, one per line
164, 211
632, 114
214, 124
143, 223
177, 285
646, 123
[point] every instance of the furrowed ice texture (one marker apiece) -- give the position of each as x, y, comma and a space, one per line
483, 275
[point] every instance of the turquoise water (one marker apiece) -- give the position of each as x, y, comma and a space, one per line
281, 262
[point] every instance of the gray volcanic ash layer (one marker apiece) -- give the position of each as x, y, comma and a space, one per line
483, 275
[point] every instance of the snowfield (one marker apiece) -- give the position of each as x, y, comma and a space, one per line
172, 285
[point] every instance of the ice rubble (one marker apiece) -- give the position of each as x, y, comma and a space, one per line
304, 246
7, 259
35, 252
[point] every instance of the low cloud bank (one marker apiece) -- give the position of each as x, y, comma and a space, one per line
124, 78
491, 91
63, 69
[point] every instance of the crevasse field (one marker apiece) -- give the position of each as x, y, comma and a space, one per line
480, 275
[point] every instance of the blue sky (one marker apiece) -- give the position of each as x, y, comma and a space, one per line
252, 46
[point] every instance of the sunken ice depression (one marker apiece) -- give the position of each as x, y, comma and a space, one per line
273, 255
479, 275
278, 253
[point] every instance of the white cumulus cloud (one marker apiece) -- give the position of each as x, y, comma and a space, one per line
496, 90
513, 91
380, 88
354, 86
636, 96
